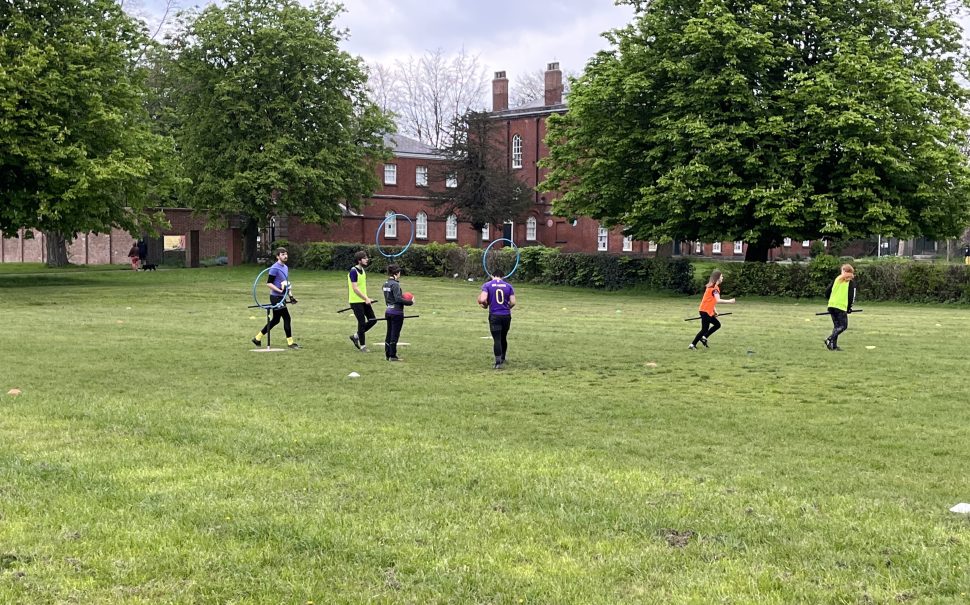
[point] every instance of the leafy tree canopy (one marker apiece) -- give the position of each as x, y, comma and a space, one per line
77, 153
757, 120
275, 118
486, 191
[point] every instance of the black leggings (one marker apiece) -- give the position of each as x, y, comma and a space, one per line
709, 325
840, 323
365, 319
499, 326
394, 325
278, 314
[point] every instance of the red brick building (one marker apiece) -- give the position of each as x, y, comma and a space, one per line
406, 181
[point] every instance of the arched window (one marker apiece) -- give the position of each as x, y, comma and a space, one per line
451, 227
530, 229
390, 224
421, 227
516, 151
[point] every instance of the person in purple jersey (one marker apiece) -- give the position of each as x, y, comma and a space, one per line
277, 281
498, 296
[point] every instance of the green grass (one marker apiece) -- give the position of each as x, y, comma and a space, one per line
152, 458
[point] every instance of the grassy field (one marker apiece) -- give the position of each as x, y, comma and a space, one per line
153, 458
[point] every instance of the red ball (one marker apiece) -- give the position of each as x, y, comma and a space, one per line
408, 296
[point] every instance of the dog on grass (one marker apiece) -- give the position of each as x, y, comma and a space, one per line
149, 267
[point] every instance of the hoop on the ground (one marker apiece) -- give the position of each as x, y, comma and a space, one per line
271, 306
377, 236
518, 256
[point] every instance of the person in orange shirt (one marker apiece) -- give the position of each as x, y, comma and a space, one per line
708, 309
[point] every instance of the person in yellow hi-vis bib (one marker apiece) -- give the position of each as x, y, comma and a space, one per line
841, 296
360, 304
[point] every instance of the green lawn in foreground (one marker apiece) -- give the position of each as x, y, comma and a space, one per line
152, 458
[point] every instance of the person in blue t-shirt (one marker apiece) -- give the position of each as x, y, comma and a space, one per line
278, 281
498, 296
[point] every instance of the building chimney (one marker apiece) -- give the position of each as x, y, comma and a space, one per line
553, 84
500, 92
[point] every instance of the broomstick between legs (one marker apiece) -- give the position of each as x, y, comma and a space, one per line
698, 317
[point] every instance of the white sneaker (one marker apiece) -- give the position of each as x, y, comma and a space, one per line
363, 349
692, 347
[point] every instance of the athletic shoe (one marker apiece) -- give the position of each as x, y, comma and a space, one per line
828, 344
294, 346
691, 347
704, 342
836, 348
355, 339
257, 343
394, 359
363, 349
498, 366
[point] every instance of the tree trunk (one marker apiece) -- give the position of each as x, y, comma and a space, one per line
56, 245
250, 232
757, 252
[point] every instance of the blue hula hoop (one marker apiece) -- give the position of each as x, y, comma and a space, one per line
377, 236
518, 255
270, 307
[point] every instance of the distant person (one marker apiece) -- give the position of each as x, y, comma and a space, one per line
142, 252
708, 310
277, 281
498, 296
966, 254
360, 303
394, 314
133, 256
841, 296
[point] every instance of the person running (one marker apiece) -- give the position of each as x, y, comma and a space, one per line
498, 296
394, 315
708, 309
360, 303
841, 296
278, 281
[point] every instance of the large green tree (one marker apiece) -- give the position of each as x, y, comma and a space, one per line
77, 152
757, 120
274, 117
485, 190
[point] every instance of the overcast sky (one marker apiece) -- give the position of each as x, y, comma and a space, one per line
517, 36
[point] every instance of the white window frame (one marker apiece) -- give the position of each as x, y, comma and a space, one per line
651, 246
786, 242
390, 174
421, 176
390, 224
698, 247
738, 247
485, 232
716, 248
602, 239
516, 151
451, 227
807, 243
628, 243
451, 181
421, 226
530, 229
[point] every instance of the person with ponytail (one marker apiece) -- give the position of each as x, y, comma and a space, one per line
708, 309
841, 296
